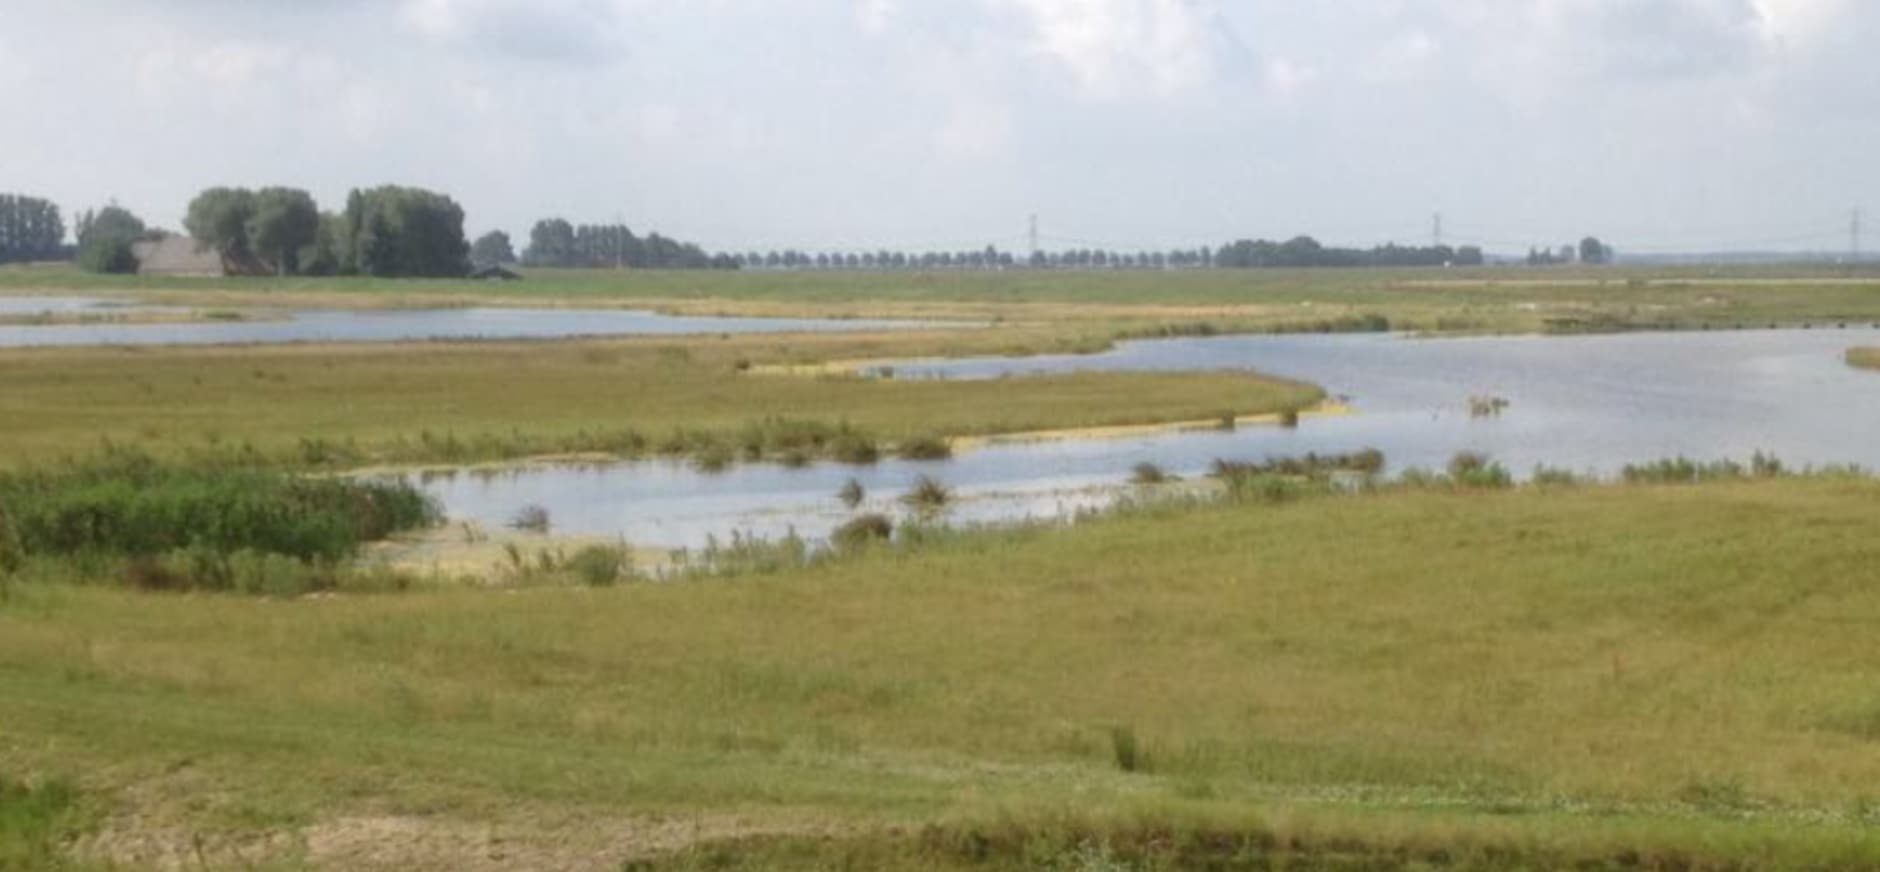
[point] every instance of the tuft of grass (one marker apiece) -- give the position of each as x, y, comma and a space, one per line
531, 518
924, 448
1147, 473
928, 495
1864, 358
36, 823
1126, 750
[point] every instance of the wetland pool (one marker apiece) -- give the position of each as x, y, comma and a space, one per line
1585, 403
400, 325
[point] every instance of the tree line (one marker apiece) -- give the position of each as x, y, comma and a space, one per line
388, 231
30, 229
554, 242
1304, 251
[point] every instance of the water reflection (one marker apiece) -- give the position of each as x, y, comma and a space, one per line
394, 326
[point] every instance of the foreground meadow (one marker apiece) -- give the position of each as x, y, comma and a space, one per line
1605, 676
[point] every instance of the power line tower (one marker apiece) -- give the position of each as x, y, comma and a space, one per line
1436, 230
1853, 238
1034, 236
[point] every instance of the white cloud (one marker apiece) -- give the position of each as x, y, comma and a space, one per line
874, 16
1119, 47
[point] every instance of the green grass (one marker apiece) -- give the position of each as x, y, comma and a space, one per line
337, 407
1865, 358
1499, 298
1672, 674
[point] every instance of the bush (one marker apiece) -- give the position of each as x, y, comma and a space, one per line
600, 565
862, 532
107, 254
1475, 470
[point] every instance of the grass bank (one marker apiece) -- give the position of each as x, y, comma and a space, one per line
1865, 358
1655, 676
1455, 300
344, 406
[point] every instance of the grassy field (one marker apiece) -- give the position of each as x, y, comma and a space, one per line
456, 402
1627, 676
1866, 358
1504, 299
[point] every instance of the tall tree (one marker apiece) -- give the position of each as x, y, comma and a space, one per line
105, 237
30, 229
551, 243
218, 218
396, 231
283, 221
1592, 251
492, 249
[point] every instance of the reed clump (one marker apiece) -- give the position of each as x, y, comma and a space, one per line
128, 504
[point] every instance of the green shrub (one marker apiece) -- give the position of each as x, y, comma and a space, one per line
1475, 470
600, 565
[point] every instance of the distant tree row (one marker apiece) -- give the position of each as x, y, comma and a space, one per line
990, 257
30, 229
554, 242
1590, 251
1304, 251
385, 231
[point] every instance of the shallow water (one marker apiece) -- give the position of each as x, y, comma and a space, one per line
1590, 403
392, 326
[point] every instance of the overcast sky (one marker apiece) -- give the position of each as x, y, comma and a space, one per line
1658, 124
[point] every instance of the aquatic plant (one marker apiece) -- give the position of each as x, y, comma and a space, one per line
1147, 473
1368, 461
928, 494
532, 518
852, 493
